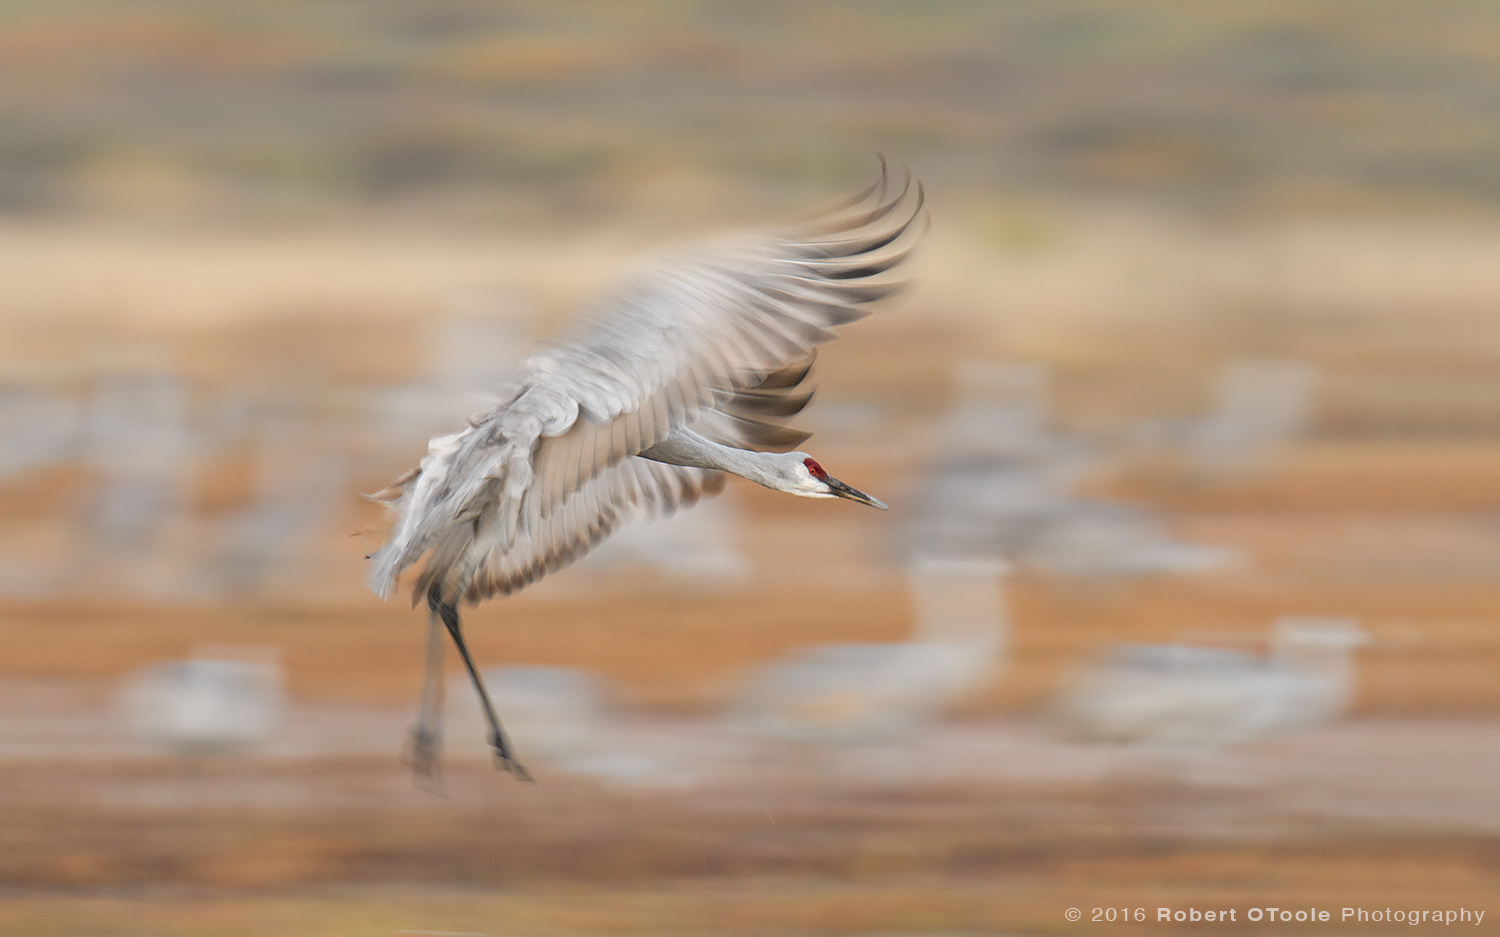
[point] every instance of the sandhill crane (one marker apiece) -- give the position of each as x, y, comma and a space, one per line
884, 690
667, 385
1205, 697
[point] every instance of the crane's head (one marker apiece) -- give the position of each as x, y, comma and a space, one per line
809, 480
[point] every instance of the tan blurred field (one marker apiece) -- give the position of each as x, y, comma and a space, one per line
277, 207
1386, 526
558, 858
1377, 528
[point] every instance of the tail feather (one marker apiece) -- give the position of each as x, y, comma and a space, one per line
422, 506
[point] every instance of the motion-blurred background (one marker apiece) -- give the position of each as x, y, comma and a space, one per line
1190, 593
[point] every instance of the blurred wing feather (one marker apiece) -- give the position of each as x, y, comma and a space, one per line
476, 563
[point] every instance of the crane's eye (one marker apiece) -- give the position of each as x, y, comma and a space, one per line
815, 469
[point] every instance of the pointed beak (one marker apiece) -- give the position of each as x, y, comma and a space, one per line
853, 494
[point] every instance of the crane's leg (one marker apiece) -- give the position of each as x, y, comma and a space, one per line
503, 758
426, 740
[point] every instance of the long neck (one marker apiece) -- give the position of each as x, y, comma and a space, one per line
685, 447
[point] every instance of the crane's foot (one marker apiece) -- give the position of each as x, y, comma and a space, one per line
505, 761
423, 747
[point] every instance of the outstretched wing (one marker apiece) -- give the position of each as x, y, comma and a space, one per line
719, 340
